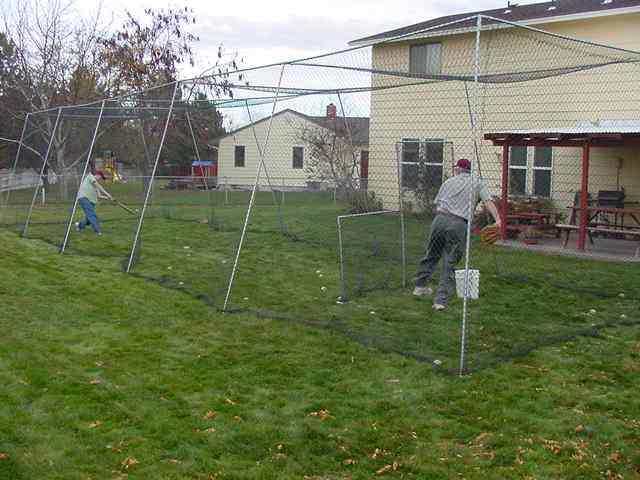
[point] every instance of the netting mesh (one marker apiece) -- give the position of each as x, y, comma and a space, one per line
335, 178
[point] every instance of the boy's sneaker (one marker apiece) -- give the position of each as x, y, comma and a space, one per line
438, 307
77, 226
99, 234
422, 291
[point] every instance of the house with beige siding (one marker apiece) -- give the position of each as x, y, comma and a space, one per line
291, 154
430, 122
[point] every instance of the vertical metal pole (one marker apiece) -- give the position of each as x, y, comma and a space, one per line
266, 171
505, 191
44, 165
584, 197
153, 174
253, 195
195, 148
403, 242
343, 284
12, 174
84, 173
349, 135
193, 137
471, 206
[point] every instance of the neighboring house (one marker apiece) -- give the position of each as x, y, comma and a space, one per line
431, 121
294, 156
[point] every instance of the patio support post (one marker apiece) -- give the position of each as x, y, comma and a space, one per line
584, 197
504, 199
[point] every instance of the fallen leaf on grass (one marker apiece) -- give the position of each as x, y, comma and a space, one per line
3, 456
480, 438
378, 453
322, 414
173, 460
552, 446
230, 402
349, 461
580, 429
99, 364
210, 415
129, 462
95, 424
237, 418
615, 457
95, 381
388, 468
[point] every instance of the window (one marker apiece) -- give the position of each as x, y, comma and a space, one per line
410, 156
426, 58
518, 171
422, 165
542, 168
298, 157
239, 156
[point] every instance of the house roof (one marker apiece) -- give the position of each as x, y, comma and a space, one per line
358, 126
536, 13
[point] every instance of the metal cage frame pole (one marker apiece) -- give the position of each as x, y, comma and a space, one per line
253, 196
403, 240
195, 148
153, 174
343, 284
193, 137
349, 133
266, 171
84, 173
12, 174
25, 229
474, 179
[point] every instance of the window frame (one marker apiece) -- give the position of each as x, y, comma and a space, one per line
425, 69
524, 168
421, 153
535, 168
235, 156
293, 157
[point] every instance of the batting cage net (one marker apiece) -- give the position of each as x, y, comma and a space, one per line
462, 195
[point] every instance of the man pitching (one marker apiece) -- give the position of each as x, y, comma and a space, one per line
88, 194
449, 231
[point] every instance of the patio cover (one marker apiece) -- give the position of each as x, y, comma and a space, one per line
608, 133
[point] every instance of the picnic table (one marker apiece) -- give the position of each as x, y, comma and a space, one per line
596, 224
596, 218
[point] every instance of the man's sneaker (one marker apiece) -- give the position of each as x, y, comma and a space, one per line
422, 291
77, 226
99, 234
438, 307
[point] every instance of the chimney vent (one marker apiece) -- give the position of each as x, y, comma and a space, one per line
332, 111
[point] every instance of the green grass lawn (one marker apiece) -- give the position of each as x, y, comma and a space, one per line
109, 376
189, 242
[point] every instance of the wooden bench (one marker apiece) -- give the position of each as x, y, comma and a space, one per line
571, 228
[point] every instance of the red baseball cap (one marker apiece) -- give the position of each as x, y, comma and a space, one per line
463, 164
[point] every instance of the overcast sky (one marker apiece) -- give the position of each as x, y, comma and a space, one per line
263, 32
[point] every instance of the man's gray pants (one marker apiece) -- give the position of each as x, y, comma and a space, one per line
448, 235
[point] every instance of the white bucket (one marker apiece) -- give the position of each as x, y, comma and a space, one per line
474, 284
